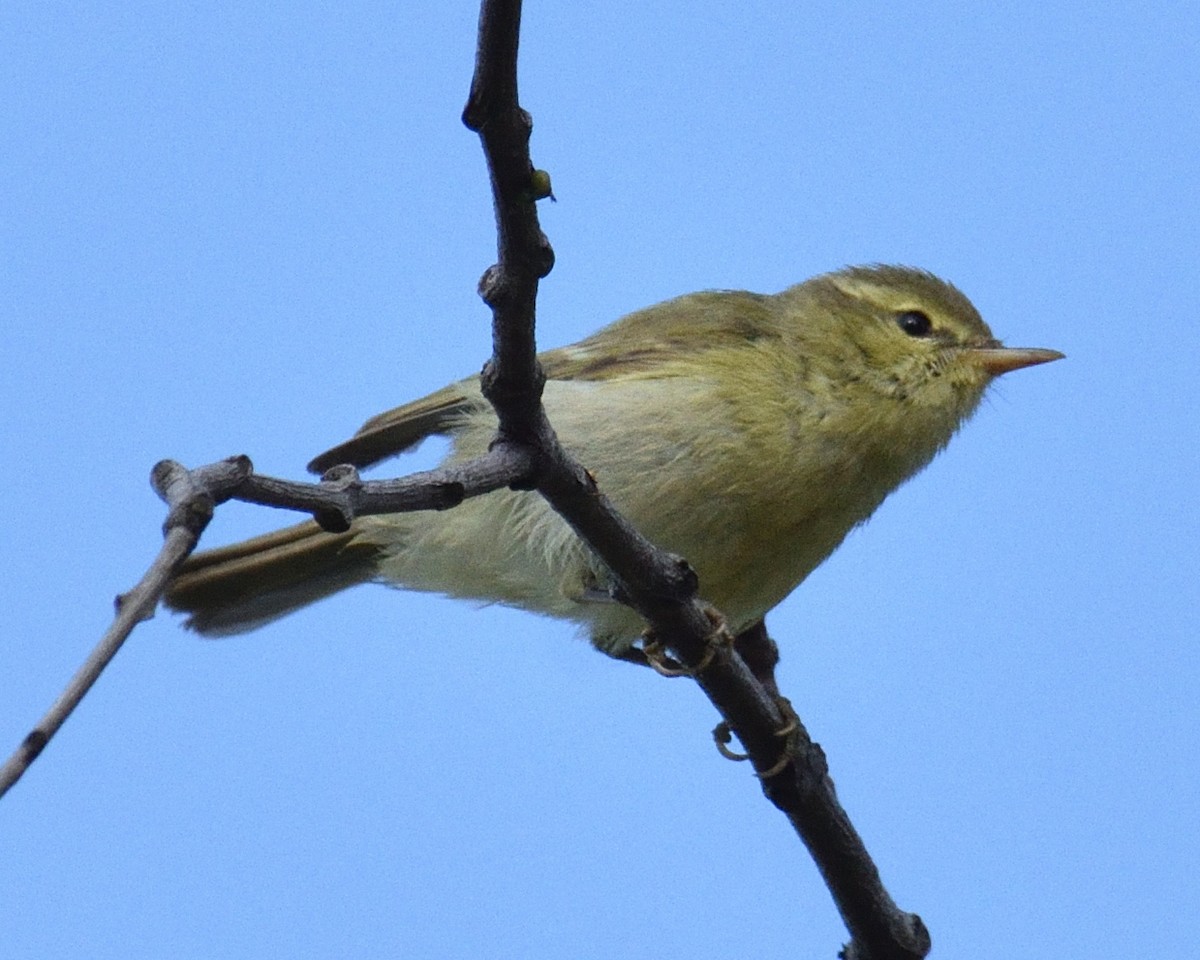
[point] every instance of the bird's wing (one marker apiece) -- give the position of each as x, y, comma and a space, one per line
640, 343
633, 347
401, 428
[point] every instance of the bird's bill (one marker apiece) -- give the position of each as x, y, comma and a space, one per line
998, 360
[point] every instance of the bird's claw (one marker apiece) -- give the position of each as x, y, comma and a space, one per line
656, 656
723, 735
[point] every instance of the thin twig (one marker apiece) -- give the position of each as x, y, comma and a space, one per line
191, 508
342, 495
191, 496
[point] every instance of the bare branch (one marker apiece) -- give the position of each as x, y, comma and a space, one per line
661, 587
737, 674
342, 495
191, 496
191, 507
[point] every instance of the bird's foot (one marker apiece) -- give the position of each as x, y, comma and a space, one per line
723, 736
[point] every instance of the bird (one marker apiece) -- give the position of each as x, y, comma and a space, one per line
748, 433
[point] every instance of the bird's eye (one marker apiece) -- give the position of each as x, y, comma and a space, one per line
915, 323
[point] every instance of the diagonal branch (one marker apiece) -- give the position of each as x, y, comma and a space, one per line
191, 507
661, 587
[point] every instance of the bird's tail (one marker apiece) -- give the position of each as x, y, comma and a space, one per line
237, 588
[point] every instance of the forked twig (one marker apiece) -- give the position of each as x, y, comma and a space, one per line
737, 676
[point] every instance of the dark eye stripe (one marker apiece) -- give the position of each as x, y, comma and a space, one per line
915, 323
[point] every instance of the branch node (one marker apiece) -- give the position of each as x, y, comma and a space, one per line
543, 261
688, 581
491, 286
341, 474
33, 744
122, 599
193, 514
342, 478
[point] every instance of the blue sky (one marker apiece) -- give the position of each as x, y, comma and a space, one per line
246, 227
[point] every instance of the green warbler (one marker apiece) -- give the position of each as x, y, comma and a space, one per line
747, 433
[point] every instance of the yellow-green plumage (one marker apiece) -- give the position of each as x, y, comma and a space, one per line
747, 433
